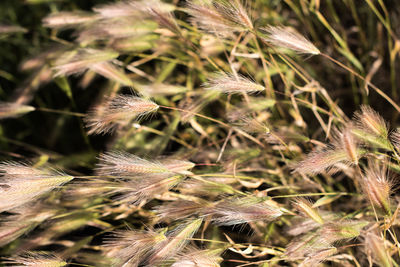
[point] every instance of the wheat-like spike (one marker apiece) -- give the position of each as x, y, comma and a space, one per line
68, 19
5, 29
289, 38
37, 259
131, 9
28, 218
304, 225
119, 110
137, 190
176, 241
345, 140
192, 256
344, 149
12, 110
131, 247
377, 250
22, 184
232, 84
370, 121
180, 209
304, 206
321, 160
220, 18
119, 163
378, 186
323, 238
317, 257
75, 62
242, 210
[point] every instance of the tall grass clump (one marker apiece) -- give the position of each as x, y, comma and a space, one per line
199, 133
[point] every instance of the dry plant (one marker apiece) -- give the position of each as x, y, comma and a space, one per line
200, 133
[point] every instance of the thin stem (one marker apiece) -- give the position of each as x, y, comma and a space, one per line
197, 114
61, 112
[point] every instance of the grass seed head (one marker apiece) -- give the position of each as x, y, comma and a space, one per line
344, 149
316, 258
108, 70
132, 9
180, 209
132, 247
119, 163
192, 257
321, 160
377, 186
377, 250
242, 210
137, 190
304, 206
75, 62
7, 29
12, 110
289, 38
22, 184
345, 140
370, 121
335, 231
68, 19
231, 84
35, 259
220, 18
323, 238
304, 225
176, 241
119, 110
27, 219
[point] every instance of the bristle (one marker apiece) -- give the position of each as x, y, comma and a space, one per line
289, 38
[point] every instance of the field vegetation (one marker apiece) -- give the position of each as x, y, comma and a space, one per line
199, 133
